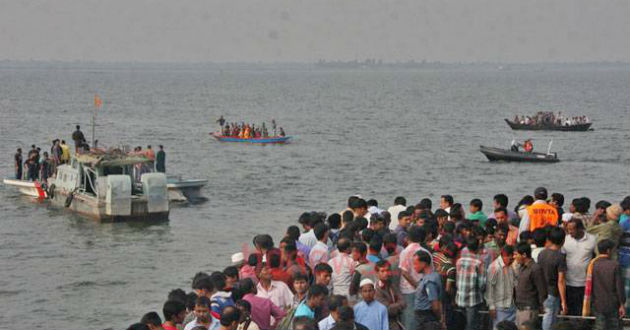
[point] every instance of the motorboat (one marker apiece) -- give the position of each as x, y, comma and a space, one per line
498, 154
260, 140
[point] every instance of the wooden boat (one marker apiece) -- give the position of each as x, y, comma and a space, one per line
549, 127
497, 154
261, 140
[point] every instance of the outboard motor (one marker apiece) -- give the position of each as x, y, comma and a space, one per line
155, 190
118, 195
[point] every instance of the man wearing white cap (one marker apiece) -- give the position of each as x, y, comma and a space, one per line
370, 312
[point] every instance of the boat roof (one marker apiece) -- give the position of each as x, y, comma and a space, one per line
110, 158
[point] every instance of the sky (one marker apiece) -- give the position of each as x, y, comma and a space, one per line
309, 30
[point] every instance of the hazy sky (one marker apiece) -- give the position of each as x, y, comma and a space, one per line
308, 30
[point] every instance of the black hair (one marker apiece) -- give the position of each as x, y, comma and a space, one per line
540, 193
203, 301
625, 203
448, 199
293, 232
246, 286
346, 314
244, 304
177, 294
506, 325
304, 219
264, 241
507, 249
439, 213
367, 234
204, 283
456, 212
347, 216
304, 323
426, 204
322, 267
172, 308
360, 246
275, 260
602, 205
231, 271
558, 198
416, 234
138, 326
501, 199
540, 237
472, 243
229, 315
524, 248
403, 214
449, 227
587, 203
334, 221
376, 243
477, 203
320, 231
317, 290
358, 204
501, 209
526, 200
372, 202
352, 200
387, 238
343, 244
300, 276
78, 126
578, 223
361, 223
336, 301
556, 236
191, 298
376, 218
218, 279
503, 227
525, 236
423, 256
605, 245
400, 201
151, 318
252, 260
478, 231
580, 205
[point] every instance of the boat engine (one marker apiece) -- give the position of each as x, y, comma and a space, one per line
155, 190
118, 195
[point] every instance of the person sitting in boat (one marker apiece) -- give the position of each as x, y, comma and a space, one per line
282, 132
226, 130
528, 146
515, 145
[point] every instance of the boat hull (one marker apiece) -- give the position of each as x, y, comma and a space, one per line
496, 154
546, 127
27, 188
267, 140
185, 190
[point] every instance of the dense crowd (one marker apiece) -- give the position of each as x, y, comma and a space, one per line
550, 118
416, 267
249, 131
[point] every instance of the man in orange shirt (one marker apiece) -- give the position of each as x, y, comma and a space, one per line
539, 214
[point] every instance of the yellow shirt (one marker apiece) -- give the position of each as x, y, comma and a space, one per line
65, 152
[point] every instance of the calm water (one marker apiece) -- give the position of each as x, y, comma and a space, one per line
377, 132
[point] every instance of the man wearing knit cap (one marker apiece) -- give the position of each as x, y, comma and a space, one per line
608, 228
370, 312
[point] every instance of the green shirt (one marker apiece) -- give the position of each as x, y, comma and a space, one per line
479, 216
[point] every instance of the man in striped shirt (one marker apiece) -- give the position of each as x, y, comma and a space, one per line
471, 282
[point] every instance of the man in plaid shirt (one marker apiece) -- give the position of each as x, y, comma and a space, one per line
471, 282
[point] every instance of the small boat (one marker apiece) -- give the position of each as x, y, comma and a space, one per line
180, 190
549, 127
28, 188
497, 154
261, 140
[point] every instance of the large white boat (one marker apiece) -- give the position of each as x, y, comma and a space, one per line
109, 186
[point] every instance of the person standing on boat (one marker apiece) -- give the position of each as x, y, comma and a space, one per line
221, 121
78, 138
18, 164
160, 160
528, 146
149, 153
282, 132
65, 152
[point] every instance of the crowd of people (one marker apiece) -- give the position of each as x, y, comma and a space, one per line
39, 166
249, 131
417, 267
550, 118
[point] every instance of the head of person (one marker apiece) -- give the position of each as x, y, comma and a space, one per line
161, 147
579, 205
263, 242
416, 234
264, 272
457, 212
335, 302
300, 283
446, 201
421, 261
304, 323
317, 295
293, 232
231, 276
346, 316
138, 326
230, 317
78, 127
245, 308
523, 253
203, 285
377, 222
404, 219
507, 254
367, 290
177, 294
347, 217
605, 246
152, 320
323, 273
475, 205
334, 221
506, 325
441, 217
540, 193
247, 286
500, 233
556, 236
383, 270
202, 306
527, 237
400, 201
305, 221
375, 245
359, 207
390, 242
501, 215
557, 200
575, 228
321, 232
500, 200
191, 299
540, 237
613, 212
174, 311
625, 205
359, 251
472, 243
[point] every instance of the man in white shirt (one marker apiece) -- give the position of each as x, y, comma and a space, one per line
276, 291
308, 221
343, 268
319, 251
446, 201
399, 206
579, 248
334, 304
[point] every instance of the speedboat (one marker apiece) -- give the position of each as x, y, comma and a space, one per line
497, 154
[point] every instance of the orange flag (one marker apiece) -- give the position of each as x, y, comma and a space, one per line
97, 101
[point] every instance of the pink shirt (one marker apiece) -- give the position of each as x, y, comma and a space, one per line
263, 310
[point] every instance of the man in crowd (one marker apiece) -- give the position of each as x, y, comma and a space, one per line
388, 294
343, 268
531, 289
500, 287
427, 300
608, 294
579, 248
370, 312
400, 204
540, 214
554, 266
471, 282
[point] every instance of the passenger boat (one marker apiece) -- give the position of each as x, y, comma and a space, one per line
180, 190
549, 127
261, 140
497, 154
108, 186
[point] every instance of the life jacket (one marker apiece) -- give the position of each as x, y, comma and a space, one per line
528, 146
541, 215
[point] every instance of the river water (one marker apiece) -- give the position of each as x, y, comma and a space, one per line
380, 132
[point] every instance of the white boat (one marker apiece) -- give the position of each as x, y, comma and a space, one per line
180, 190
28, 188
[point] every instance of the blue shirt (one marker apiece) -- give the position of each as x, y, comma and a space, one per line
373, 258
429, 290
372, 315
304, 310
624, 222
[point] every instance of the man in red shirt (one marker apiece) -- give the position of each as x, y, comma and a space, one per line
174, 314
